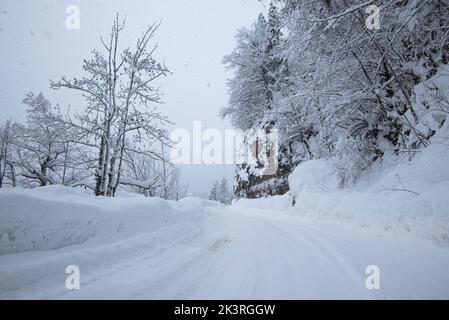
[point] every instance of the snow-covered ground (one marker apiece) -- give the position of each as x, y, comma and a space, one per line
143, 248
396, 195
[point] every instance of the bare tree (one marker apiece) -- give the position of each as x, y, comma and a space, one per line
120, 92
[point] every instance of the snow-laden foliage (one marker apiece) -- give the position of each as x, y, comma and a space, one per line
335, 88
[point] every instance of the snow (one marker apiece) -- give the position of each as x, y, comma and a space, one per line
280, 203
149, 248
55, 217
394, 195
314, 176
238, 253
364, 114
133, 247
408, 196
87, 230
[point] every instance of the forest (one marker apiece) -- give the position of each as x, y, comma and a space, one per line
350, 81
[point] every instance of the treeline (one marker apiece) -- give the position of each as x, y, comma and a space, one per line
339, 81
117, 140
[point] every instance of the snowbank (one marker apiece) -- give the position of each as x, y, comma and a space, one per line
399, 194
408, 196
314, 176
268, 203
87, 231
55, 217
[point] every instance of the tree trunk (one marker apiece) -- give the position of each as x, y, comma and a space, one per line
98, 172
164, 181
13, 175
43, 175
104, 174
2, 174
65, 163
111, 176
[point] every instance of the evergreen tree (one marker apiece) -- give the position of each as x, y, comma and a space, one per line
213, 195
224, 196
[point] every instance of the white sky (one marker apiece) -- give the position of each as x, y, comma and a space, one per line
193, 37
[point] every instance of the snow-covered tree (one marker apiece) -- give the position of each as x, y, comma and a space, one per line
260, 82
120, 91
214, 191
336, 88
41, 145
224, 194
146, 176
355, 97
220, 192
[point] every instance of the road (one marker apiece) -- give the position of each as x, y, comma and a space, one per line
244, 253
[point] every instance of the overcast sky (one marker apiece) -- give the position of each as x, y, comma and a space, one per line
194, 36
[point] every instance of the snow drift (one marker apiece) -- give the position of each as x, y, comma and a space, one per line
55, 217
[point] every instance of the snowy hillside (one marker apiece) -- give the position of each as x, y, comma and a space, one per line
407, 196
398, 194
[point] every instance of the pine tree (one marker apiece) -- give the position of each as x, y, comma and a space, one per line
214, 192
224, 195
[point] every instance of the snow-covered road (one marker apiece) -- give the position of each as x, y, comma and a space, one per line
245, 253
